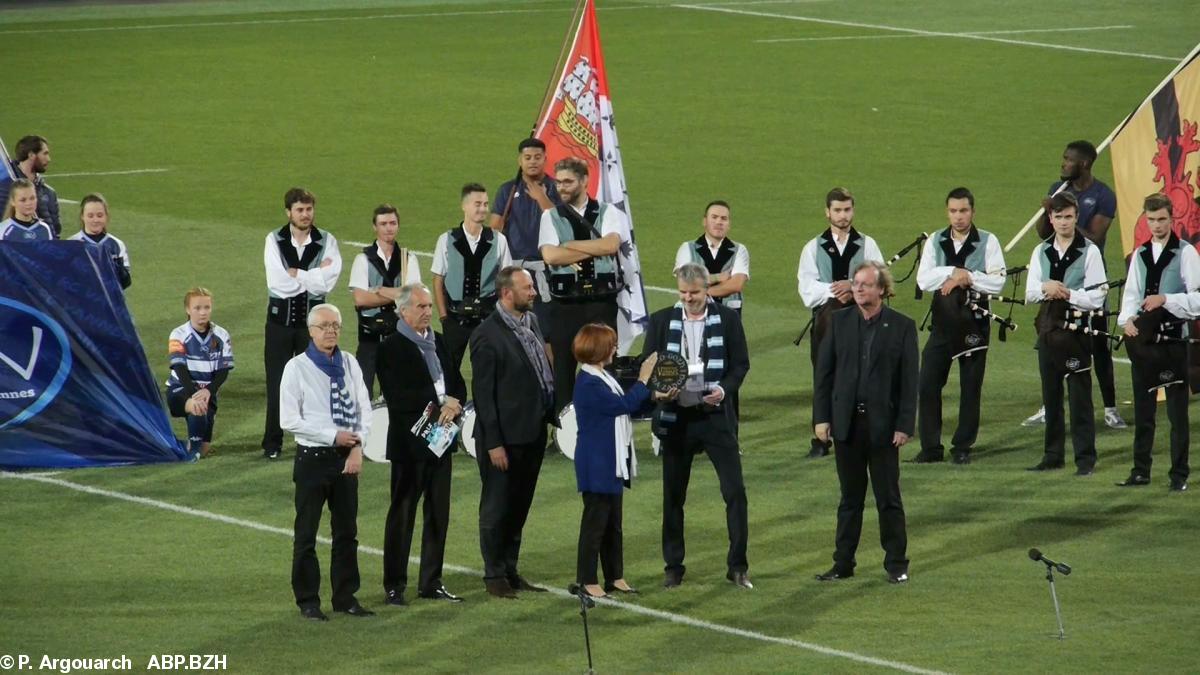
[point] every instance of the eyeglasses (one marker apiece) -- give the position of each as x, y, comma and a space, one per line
328, 327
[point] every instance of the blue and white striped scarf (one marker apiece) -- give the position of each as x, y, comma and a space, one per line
342, 407
714, 344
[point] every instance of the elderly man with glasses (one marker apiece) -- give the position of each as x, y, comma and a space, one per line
324, 403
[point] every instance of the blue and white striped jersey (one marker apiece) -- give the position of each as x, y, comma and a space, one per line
14, 230
203, 355
110, 245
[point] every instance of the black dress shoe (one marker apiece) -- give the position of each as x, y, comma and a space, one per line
499, 588
356, 610
1178, 485
1085, 471
395, 597
928, 457
520, 583
440, 593
672, 578
1134, 480
961, 457
1045, 466
819, 449
313, 614
834, 575
609, 588
897, 577
740, 579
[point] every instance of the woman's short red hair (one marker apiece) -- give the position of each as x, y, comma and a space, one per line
594, 343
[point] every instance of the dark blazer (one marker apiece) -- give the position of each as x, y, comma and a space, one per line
892, 399
508, 395
408, 388
596, 409
737, 355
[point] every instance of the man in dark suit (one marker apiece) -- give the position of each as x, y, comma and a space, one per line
701, 419
513, 385
414, 374
866, 399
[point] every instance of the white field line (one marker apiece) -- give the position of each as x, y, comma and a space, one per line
645, 611
311, 19
928, 33
128, 172
970, 33
427, 254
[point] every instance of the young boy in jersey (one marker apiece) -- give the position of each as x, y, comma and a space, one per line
201, 357
93, 217
21, 222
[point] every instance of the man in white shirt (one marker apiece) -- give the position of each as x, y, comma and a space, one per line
824, 273
579, 241
325, 405
376, 276
466, 261
727, 262
956, 261
1162, 292
302, 265
1060, 269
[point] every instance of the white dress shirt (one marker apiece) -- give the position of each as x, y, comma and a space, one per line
1184, 305
931, 276
741, 256
318, 280
813, 291
612, 222
692, 342
362, 281
304, 401
440, 253
1093, 274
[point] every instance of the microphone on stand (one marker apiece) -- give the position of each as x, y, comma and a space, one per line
1036, 556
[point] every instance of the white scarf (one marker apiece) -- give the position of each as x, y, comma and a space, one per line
622, 427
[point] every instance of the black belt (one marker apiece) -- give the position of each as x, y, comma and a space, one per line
321, 452
291, 311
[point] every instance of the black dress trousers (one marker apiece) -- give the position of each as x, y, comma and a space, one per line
317, 473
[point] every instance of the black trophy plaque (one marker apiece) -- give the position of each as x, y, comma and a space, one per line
670, 372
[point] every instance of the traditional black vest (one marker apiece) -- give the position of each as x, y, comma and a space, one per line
293, 311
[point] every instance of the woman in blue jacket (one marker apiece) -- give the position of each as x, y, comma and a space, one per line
604, 459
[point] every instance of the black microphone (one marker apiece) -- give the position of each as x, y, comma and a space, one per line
1036, 556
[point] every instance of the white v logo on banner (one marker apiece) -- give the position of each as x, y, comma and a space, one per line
27, 371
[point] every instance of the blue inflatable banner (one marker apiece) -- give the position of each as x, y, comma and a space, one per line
75, 387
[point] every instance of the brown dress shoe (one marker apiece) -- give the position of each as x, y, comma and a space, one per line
520, 583
499, 588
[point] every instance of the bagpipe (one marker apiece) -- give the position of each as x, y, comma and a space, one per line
962, 315
819, 323
1160, 348
1066, 334
959, 314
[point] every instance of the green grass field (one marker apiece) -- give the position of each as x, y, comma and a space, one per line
365, 101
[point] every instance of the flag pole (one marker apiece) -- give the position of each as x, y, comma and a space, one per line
556, 74
1107, 141
547, 94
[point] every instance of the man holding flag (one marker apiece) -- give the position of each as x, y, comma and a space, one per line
517, 214
33, 158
